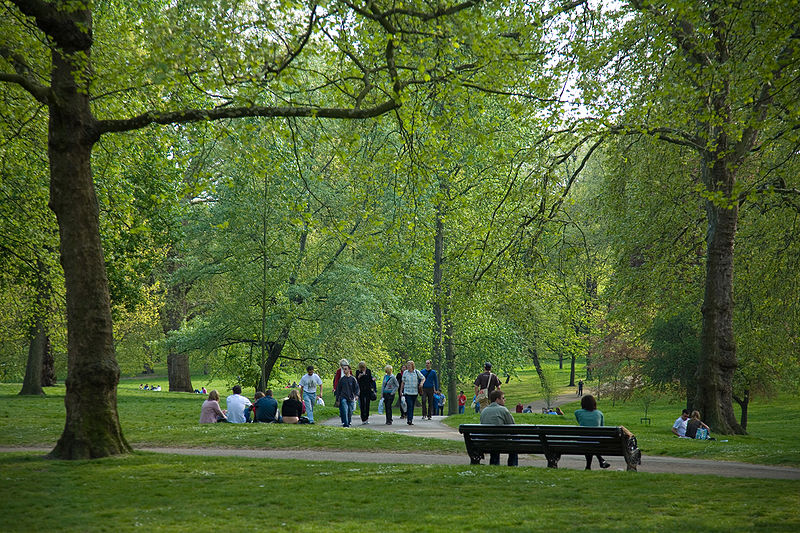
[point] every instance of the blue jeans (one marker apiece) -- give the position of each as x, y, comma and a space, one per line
513, 459
346, 408
461, 409
309, 398
411, 399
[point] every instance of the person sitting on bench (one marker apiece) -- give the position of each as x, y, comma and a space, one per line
496, 414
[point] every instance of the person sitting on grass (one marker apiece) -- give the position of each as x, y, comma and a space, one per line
211, 412
696, 429
679, 427
266, 408
238, 406
292, 408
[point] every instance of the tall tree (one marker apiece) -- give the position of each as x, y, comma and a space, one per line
246, 75
718, 78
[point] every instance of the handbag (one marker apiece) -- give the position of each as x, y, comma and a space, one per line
403, 403
380, 407
483, 394
372, 395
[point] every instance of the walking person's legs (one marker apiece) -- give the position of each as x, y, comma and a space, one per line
411, 399
309, 398
387, 406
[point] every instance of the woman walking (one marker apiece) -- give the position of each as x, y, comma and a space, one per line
388, 391
347, 392
409, 388
366, 384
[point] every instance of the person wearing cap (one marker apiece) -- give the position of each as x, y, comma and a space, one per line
237, 405
486, 380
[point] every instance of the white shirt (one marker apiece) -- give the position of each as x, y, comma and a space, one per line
310, 383
236, 404
680, 425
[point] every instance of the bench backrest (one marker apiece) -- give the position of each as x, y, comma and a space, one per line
526, 438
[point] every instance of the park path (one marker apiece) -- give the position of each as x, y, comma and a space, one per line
437, 429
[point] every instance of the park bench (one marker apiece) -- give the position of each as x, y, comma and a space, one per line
551, 441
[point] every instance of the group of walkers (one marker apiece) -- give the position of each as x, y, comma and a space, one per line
406, 387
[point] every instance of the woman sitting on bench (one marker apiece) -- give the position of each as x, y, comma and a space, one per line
591, 416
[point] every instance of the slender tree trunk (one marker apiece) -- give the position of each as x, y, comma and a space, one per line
92, 426
743, 404
534, 353
449, 376
32, 384
48, 365
438, 291
172, 317
718, 347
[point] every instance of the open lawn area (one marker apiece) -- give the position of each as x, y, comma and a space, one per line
150, 492
170, 419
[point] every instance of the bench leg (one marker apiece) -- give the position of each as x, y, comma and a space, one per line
475, 459
552, 460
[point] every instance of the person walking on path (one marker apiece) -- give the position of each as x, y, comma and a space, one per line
400, 396
496, 414
310, 382
366, 384
580, 387
486, 381
589, 416
389, 389
237, 405
429, 389
412, 383
336, 377
347, 391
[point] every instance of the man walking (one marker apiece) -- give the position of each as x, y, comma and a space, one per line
580, 387
309, 383
496, 414
429, 389
487, 382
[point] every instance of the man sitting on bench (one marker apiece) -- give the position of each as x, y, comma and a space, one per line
496, 414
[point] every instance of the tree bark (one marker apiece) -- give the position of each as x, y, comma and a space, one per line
48, 365
718, 347
175, 309
32, 384
92, 426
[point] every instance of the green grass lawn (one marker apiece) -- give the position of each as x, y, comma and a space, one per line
170, 419
774, 437
149, 492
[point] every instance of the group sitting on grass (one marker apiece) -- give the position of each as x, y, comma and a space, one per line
689, 426
265, 408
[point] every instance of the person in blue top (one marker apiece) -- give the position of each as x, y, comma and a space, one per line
266, 407
589, 415
429, 388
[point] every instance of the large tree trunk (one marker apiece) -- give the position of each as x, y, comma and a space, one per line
718, 348
438, 291
92, 426
449, 375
